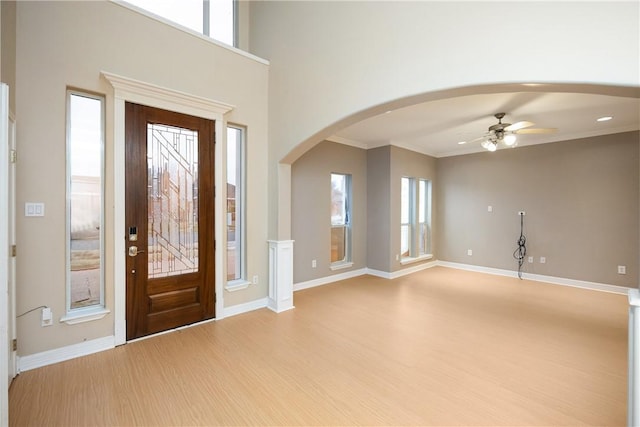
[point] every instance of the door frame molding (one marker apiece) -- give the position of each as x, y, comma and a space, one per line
131, 90
4, 253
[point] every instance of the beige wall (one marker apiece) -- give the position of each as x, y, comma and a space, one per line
311, 208
580, 199
8, 49
61, 44
336, 63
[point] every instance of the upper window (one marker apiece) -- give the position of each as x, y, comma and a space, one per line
85, 183
213, 18
235, 204
340, 218
415, 218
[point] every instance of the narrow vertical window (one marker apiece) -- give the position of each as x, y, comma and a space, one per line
85, 183
415, 218
235, 204
340, 218
222, 19
424, 217
405, 217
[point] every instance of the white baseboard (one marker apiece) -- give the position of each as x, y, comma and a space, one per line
329, 279
245, 307
403, 272
355, 273
603, 287
49, 357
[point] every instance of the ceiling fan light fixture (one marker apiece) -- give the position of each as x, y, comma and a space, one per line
509, 139
489, 145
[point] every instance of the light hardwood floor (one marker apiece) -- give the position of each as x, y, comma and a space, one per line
438, 347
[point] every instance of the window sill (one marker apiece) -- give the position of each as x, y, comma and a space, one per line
85, 316
340, 266
411, 260
237, 285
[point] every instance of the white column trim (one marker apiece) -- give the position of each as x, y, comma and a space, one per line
280, 275
633, 405
126, 89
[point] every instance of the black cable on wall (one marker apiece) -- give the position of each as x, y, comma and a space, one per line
521, 252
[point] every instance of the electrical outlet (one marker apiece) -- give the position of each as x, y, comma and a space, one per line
622, 269
530, 260
469, 252
255, 280
313, 263
47, 317
489, 208
543, 260
397, 257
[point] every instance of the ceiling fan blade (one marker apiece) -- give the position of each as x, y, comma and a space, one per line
519, 125
536, 131
480, 138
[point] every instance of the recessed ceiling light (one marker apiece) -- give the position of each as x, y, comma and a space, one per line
604, 119
388, 111
462, 142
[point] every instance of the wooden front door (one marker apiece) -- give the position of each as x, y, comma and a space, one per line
169, 218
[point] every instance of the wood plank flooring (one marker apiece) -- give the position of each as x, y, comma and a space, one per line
438, 347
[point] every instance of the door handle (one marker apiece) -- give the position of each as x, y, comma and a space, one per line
133, 251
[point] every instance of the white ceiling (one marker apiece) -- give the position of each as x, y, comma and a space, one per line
436, 127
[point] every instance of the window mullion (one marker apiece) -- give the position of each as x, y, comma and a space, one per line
206, 17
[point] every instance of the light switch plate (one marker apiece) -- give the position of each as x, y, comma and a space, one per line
33, 209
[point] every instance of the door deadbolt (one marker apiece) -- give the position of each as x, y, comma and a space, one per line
133, 251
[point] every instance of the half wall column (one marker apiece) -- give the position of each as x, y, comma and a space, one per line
280, 275
634, 358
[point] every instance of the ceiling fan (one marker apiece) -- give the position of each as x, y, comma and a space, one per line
506, 133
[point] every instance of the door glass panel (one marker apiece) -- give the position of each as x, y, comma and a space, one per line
172, 191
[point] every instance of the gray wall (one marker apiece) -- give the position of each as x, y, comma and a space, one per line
580, 199
379, 208
376, 177
415, 165
311, 208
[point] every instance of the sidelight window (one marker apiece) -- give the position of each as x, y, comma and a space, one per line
235, 205
85, 202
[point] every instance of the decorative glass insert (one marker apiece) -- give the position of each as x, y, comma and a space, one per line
172, 194
85, 136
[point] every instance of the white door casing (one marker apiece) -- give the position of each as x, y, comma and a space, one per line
4, 254
13, 365
126, 89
